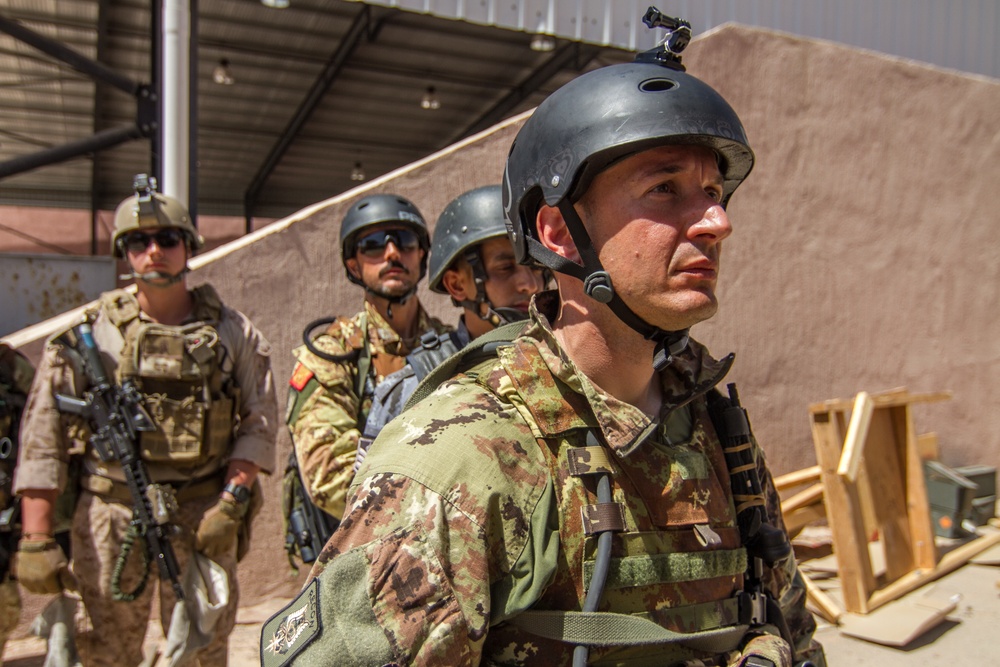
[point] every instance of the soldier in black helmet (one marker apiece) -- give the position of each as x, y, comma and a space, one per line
473, 262
581, 493
383, 244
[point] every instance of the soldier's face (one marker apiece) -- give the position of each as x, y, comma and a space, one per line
391, 270
166, 257
508, 284
658, 225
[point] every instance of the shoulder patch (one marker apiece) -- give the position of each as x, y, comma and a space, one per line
300, 377
285, 634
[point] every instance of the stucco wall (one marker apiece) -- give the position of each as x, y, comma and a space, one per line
865, 252
866, 244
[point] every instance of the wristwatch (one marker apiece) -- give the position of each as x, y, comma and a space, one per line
240, 493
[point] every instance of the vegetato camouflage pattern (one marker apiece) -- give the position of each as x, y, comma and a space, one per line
464, 521
325, 413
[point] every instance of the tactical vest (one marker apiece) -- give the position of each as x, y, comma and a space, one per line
180, 371
676, 541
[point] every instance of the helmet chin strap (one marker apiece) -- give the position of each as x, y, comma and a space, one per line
597, 284
403, 298
164, 280
495, 316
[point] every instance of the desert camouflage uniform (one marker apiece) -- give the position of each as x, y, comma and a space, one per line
325, 414
15, 382
464, 516
101, 519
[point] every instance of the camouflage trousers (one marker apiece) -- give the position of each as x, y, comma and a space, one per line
10, 611
119, 628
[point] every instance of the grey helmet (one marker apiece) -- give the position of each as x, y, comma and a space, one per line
378, 210
594, 120
468, 220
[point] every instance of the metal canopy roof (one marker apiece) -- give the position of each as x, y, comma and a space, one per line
319, 87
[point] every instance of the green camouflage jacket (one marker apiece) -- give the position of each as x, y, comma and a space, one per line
325, 414
464, 517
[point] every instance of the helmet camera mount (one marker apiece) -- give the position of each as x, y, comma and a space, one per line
668, 51
146, 205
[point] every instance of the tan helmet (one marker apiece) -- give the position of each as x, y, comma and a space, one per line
148, 208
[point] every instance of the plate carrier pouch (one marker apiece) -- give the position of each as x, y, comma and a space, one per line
179, 370
724, 622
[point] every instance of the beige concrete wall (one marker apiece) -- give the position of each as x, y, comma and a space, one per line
866, 249
865, 252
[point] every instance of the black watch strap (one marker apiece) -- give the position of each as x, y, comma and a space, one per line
239, 492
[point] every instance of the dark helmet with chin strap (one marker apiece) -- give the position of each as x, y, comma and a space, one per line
380, 210
595, 120
467, 221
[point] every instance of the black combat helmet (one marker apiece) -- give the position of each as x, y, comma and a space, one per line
378, 210
601, 117
471, 218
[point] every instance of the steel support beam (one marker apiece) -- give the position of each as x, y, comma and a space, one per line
360, 27
67, 55
105, 139
146, 110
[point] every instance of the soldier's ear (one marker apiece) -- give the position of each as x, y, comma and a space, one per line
458, 283
554, 233
352, 266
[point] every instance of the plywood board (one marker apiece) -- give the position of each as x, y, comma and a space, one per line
900, 622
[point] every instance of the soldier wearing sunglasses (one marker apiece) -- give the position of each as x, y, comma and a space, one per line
204, 373
384, 244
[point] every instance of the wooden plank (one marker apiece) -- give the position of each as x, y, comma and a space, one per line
949, 562
857, 433
799, 518
796, 478
843, 510
802, 498
823, 604
883, 399
921, 523
885, 465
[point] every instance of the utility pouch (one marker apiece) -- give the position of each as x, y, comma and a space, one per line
180, 432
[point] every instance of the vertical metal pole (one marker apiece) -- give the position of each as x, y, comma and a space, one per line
193, 80
156, 85
176, 98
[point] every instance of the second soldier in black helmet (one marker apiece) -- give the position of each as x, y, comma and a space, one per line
383, 245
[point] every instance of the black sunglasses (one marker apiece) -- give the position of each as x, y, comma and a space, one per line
165, 238
373, 245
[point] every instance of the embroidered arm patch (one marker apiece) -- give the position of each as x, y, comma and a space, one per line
292, 629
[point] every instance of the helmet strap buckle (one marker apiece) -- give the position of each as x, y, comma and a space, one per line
598, 287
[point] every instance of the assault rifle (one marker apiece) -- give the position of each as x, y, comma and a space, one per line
309, 527
764, 542
117, 415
